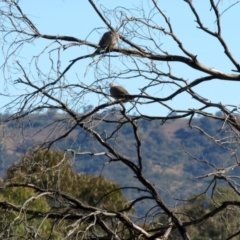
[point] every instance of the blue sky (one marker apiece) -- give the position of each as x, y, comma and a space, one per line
77, 18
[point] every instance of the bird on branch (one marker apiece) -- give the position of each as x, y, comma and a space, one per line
118, 92
108, 41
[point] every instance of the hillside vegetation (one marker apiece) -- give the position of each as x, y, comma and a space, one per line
165, 149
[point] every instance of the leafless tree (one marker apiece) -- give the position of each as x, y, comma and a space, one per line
137, 58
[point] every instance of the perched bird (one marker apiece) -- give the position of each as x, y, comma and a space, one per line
108, 40
119, 92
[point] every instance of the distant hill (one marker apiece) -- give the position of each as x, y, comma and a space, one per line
164, 147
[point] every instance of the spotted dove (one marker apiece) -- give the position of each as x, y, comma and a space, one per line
108, 40
119, 92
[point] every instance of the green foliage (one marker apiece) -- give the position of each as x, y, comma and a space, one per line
51, 170
219, 226
16, 222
